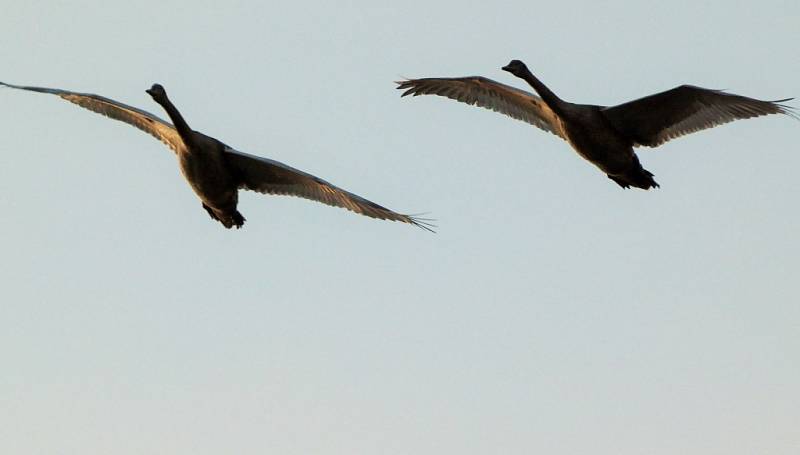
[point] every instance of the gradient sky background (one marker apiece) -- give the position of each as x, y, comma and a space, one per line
552, 313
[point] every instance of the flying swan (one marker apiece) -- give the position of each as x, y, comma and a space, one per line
216, 171
605, 136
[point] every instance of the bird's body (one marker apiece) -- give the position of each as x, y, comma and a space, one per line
604, 136
587, 131
215, 171
205, 169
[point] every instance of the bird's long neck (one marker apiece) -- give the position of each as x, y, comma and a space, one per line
177, 120
554, 102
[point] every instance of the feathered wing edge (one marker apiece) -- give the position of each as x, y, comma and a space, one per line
489, 94
268, 176
138, 118
655, 119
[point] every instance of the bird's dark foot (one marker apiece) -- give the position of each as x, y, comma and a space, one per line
238, 219
639, 178
644, 179
228, 219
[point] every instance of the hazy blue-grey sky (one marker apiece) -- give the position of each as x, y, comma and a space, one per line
552, 313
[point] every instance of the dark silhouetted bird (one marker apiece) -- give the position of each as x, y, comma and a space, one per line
605, 136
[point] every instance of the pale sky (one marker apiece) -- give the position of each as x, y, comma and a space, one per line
553, 312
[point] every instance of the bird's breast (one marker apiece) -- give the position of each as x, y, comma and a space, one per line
209, 177
599, 145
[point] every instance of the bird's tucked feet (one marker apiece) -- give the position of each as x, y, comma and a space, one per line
639, 178
238, 219
228, 219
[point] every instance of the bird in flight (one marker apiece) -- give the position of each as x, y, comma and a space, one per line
603, 135
216, 171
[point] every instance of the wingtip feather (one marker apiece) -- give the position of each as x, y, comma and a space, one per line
423, 223
408, 86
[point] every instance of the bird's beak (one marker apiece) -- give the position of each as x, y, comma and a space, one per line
505, 68
149, 92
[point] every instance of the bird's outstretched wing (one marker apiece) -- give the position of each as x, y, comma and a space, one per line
489, 94
655, 119
145, 121
272, 177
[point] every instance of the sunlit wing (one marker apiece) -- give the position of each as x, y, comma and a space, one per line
489, 94
658, 118
272, 177
145, 121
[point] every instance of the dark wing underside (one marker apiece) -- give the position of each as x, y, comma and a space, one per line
272, 177
145, 121
655, 119
482, 92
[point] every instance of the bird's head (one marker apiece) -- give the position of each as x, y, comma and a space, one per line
516, 67
157, 92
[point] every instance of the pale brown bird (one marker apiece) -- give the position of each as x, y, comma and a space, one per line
216, 171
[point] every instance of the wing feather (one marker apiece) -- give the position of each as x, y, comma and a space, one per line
483, 92
268, 176
655, 119
143, 120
